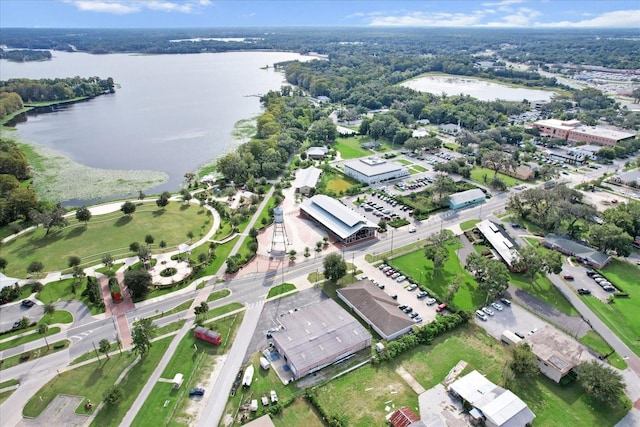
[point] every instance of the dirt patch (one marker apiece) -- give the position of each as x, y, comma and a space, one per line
410, 380
60, 412
454, 372
193, 409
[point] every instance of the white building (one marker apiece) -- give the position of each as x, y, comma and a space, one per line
374, 169
306, 180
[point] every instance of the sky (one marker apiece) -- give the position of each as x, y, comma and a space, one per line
253, 13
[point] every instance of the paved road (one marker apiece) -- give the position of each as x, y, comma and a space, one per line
217, 400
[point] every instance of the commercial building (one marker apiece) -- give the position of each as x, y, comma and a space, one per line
318, 335
574, 131
377, 309
500, 241
317, 153
579, 250
306, 180
497, 406
522, 172
556, 354
345, 224
466, 198
374, 169
630, 178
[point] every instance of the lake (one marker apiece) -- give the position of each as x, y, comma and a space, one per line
480, 89
170, 113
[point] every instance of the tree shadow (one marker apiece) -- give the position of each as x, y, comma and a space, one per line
123, 220
184, 207
76, 232
158, 212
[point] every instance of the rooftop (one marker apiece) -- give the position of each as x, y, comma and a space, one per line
555, 348
500, 240
373, 166
466, 196
307, 177
577, 248
335, 216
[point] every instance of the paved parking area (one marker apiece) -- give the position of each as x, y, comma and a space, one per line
581, 280
512, 318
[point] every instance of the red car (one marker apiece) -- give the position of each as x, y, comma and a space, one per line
441, 307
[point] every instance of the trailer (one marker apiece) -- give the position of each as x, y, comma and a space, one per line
264, 363
207, 335
510, 338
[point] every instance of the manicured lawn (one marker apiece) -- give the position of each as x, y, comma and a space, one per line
416, 266
223, 231
12, 361
5, 395
219, 311
195, 366
177, 309
219, 294
468, 225
404, 161
171, 327
109, 233
335, 181
478, 175
281, 289
62, 290
9, 383
595, 341
298, 413
222, 253
28, 338
264, 215
451, 146
543, 289
59, 316
419, 168
349, 148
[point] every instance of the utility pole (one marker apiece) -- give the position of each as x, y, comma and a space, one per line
94, 347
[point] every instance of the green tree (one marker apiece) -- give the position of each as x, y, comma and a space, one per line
73, 261
83, 214
3, 263
148, 239
442, 187
43, 328
128, 208
138, 282
334, 267
292, 255
600, 382
142, 333
35, 267
113, 395
49, 309
104, 346
163, 200
438, 255
186, 195
492, 275
322, 132
523, 361
107, 260
610, 237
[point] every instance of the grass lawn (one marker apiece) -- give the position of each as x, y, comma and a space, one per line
28, 338
451, 146
478, 175
419, 168
223, 231
349, 148
404, 161
264, 215
62, 290
177, 309
335, 181
5, 395
420, 270
298, 413
219, 294
109, 233
543, 289
595, 341
171, 327
196, 366
12, 361
281, 289
468, 225
219, 311
222, 253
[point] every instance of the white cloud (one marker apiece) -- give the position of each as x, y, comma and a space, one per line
422, 19
121, 7
521, 18
615, 19
502, 3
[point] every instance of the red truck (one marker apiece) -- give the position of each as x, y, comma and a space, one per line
207, 335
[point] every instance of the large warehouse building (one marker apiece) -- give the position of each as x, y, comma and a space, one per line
574, 131
374, 169
318, 335
348, 226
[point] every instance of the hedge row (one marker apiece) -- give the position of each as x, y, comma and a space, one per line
332, 420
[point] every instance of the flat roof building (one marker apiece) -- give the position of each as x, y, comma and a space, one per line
500, 241
378, 309
556, 354
466, 198
581, 251
499, 407
317, 153
374, 169
306, 180
348, 226
318, 335
573, 130
631, 178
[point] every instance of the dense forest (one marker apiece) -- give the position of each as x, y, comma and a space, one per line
602, 47
15, 92
16, 199
25, 55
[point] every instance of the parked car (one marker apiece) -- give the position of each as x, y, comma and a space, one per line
394, 296
412, 287
430, 301
197, 391
488, 311
505, 301
480, 315
417, 319
609, 288
412, 230
381, 285
402, 307
519, 335
422, 294
496, 306
413, 315
408, 309
568, 277
401, 279
441, 308
583, 291
395, 275
27, 303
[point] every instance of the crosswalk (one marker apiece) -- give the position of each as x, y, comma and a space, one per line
77, 338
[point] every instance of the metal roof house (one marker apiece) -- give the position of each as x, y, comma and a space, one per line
500, 241
306, 180
318, 335
556, 354
376, 308
374, 169
317, 153
348, 226
499, 407
466, 198
579, 250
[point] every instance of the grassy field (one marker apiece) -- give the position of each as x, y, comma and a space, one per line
59, 316
543, 289
595, 341
12, 361
468, 225
349, 148
281, 289
335, 181
416, 266
404, 162
219, 294
222, 253
171, 327
196, 366
219, 311
298, 413
419, 168
109, 233
478, 175
62, 290
622, 316
28, 338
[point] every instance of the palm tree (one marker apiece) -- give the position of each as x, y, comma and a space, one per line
43, 328
49, 309
104, 346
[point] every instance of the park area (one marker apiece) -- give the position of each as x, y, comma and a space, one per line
483, 176
334, 182
108, 233
349, 148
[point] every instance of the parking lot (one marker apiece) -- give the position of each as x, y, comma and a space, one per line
582, 281
512, 318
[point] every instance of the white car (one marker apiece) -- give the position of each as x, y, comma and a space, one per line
430, 301
496, 306
401, 279
488, 311
480, 315
412, 287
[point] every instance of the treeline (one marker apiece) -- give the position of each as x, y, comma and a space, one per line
10, 102
614, 48
25, 55
45, 90
16, 199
